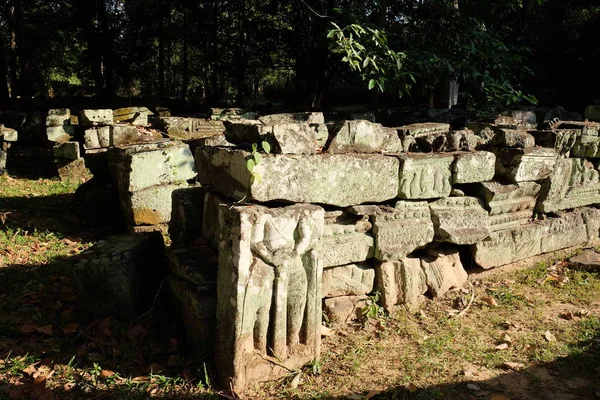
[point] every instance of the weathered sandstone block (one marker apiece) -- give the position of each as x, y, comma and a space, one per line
187, 211
62, 133
292, 118
132, 115
8, 134
344, 309
443, 270
401, 230
95, 117
149, 206
586, 146
68, 150
425, 176
478, 166
58, 117
521, 165
459, 220
269, 291
339, 180
401, 282
95, 138
348, 280
361, 136
345, 239
292, 138
513, 138
141, 166
561, 140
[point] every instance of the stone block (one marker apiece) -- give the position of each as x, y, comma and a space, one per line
3, 158
213, 217
423, 129
401, 282
292, 118
424, 176
586, 147
141, 166
61, 133
401, 230
459, 220
339, 180
90, 139
58, 117
344, 309
462, 140
72, 170
121, 275
187, 211
128, 134
522, 165
443, 270
574, 183
568, 230
95, 117
508, 205
361, 136
149, 206
292, 138
198, 265
132, 115
478, 166
586, 128
269, 291
68, 150
321, 133
8, 134
592, 112
345, 249
348, 280
189, 128
512, 138
561, 140
588, 260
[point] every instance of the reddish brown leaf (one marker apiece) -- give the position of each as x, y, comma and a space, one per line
105, 373
489, 300
46, 330
70, 328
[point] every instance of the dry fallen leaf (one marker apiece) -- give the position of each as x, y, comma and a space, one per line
489, 300
70, 328
46, 330
502, 346
105, 373
549, 336
27, 329
325, 331
295, 381
515, 366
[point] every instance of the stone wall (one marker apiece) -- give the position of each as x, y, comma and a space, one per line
350, 208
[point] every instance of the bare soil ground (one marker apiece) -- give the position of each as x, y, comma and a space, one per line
523, 336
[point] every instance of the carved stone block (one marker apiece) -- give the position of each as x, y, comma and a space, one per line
340, 180
561, 140
443, 270
344, 309
348, 280
401, 230
269, 291
361, 136
521, 165
513, 139
401, 282
425, 176
478, 166
586, 146
460, 220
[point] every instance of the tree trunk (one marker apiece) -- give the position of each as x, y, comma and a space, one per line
161, 58
14, 81
3, 78
185, 80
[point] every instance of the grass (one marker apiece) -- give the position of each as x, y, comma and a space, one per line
424, 354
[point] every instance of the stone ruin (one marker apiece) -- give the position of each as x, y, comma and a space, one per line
342, 210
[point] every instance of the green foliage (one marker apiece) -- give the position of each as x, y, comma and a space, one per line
373, 309
255, 159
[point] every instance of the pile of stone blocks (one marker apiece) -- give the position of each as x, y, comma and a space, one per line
346, 209
145, 176
8, 136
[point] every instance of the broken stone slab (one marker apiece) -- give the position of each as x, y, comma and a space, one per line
461, 140
424, 176
561, 140
508, 205
187, 212
58, 117
443, 270
348, 280
586, 147
140, 166
344, 309
132, 115
149, 206
588, 260
292, 118
224, 114
400, 230
72, 170
95, 117
8, 134
401, 282
478, 166
269, 291
575, 182
522, 165
121, 134
293, 138
346, 249
189, 128
121, 275
571, 229
362, 136
586, 128
592, 112
513, 139
96, 138
68, 150
62, 133
423, 129
459, 220
198, 265
339, 180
